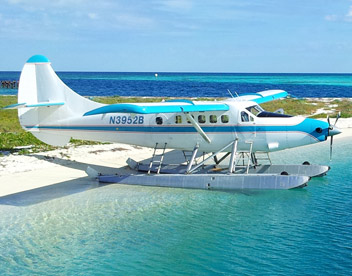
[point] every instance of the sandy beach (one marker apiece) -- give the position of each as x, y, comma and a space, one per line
24, 172
20, 173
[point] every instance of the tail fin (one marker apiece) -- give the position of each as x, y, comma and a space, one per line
43, 99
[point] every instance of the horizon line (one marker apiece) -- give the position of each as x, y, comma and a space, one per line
191, 72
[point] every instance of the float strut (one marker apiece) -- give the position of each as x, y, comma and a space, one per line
233, 157
211, 156
194, 154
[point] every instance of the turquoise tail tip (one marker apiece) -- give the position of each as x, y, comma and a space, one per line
38, 59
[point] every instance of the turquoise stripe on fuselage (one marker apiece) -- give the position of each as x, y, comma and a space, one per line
308, 126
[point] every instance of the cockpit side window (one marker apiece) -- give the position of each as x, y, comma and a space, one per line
245, 117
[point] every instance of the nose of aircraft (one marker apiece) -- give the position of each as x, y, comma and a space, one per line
333, 130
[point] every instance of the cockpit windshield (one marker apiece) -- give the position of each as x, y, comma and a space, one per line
258, 111
255, 109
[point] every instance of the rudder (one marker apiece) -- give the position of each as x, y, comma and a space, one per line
47, 101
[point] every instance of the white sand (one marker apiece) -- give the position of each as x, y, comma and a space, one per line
25, 172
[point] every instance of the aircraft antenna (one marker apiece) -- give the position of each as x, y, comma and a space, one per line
228, 90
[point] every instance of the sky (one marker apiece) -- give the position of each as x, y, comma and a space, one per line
302, 36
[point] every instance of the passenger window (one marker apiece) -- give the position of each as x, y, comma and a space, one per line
201, 119
213, 119
225, 119
178, 119
244, 117
188, 121
159, 120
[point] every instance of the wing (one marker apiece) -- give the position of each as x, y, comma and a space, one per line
176, 106
165, 107
263, 97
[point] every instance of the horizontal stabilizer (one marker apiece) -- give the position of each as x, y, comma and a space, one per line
15, 106
24, 105
154, 109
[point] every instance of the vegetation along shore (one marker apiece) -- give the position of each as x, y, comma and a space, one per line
14, 139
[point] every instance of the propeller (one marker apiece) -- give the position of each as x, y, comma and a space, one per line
331, 141
333, 130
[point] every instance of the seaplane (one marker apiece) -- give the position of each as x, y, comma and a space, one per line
222, 141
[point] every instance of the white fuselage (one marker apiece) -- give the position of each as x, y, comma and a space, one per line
265, 133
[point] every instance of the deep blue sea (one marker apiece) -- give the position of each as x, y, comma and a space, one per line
93, 229
199, 84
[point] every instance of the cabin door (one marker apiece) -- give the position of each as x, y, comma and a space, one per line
159, 134
247, 128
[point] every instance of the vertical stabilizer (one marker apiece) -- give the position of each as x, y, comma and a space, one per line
48, 101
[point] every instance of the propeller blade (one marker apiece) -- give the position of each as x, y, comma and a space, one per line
333, 131
331, 141
337, 117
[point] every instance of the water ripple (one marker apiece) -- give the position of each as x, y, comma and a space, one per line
120, 229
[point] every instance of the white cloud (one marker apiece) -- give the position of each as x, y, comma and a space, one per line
132, 21
61, 15
174, 5
346, 17
45, 3
331, 17
349, 14
92, 15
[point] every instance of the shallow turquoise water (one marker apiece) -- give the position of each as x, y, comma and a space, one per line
124, 230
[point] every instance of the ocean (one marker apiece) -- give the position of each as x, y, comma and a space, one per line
131, 230
198, 84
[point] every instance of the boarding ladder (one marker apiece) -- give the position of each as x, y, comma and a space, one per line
244, 157
157, 158
264, 157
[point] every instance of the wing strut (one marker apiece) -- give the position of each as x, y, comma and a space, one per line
197, 127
